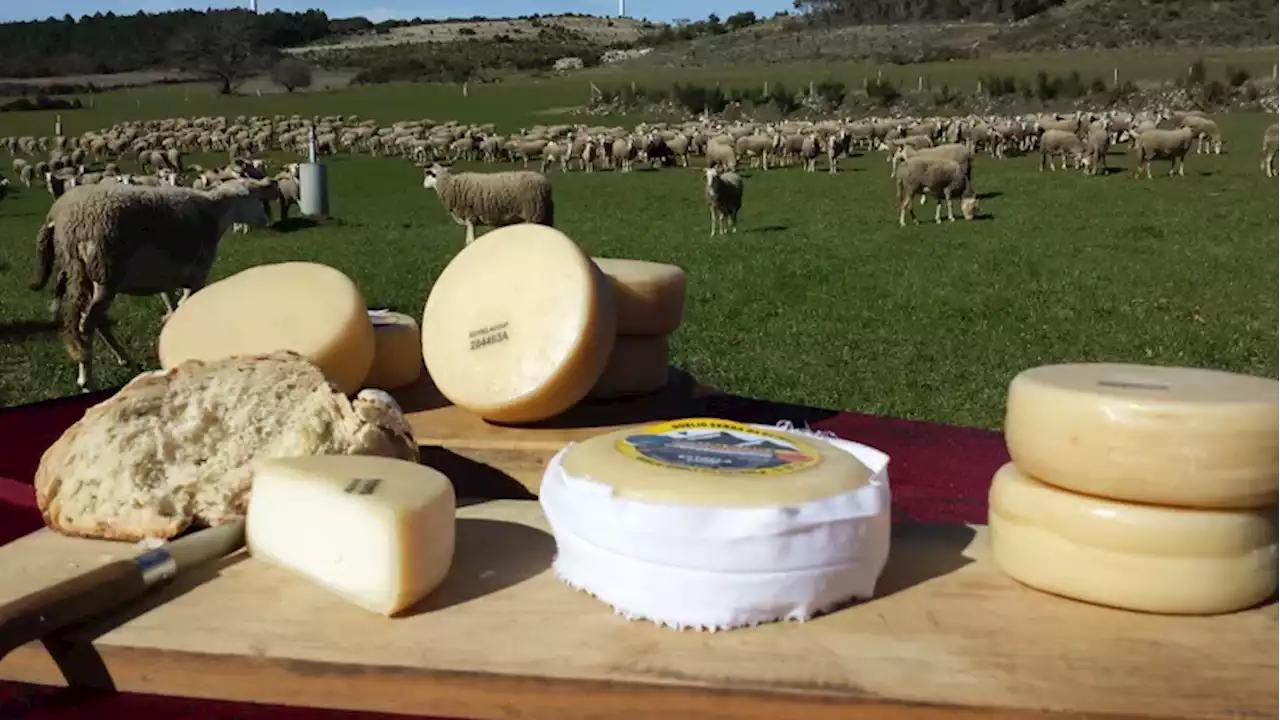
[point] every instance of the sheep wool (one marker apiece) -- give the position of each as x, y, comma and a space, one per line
492, 199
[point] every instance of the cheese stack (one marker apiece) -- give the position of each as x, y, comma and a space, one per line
649, 298
711, 524
1140, 487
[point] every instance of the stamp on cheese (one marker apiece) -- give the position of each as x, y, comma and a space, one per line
718, 446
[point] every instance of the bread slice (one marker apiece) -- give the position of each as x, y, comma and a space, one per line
173, 448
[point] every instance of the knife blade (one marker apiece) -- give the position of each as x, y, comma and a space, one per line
104, 588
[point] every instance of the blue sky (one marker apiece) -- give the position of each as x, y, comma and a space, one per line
377, 10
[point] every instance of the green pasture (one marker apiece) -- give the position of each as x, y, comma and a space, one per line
820, 299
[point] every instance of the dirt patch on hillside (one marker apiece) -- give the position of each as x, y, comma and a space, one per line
596, 29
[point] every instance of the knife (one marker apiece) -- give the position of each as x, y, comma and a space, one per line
84, 596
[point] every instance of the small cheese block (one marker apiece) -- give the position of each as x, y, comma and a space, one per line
311, 309
519, 325
397, 357
638, 365
1137, 557
376, 531
650, 295
1161, 435
708, 523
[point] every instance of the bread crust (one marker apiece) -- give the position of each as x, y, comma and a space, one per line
309, 416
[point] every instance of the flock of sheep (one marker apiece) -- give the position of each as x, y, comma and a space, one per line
107, 231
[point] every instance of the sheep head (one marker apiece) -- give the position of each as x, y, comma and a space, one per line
969, 207
431, 175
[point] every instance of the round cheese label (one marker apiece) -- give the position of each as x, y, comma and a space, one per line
718, 446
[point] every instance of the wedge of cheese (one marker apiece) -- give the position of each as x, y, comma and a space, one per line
376, 531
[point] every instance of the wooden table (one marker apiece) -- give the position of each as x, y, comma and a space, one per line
947, 634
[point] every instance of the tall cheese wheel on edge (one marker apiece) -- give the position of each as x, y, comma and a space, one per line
397, 357
1159, 435
312, 309
1136, 557
650, 295
519, 325
637, 365
712, 524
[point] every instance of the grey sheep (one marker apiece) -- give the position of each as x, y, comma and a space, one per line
1171, 145
492, 199
724, 197
1096, 146
940, 178
111, 239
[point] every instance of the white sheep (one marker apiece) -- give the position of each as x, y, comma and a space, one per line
492, 199
1270, 148
940, 178
1172, 145
1061, 143
724, 198
111, 239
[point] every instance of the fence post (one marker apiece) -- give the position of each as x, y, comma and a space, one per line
464, 88
920, 83
979, 86
1115, 76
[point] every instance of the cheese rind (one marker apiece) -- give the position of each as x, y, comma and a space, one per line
376, 531
309, 308
1162, 435
650, 295
1125, 555
397, 357
699, 565
519, 325
638, 365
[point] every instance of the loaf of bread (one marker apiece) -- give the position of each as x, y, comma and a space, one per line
172, 448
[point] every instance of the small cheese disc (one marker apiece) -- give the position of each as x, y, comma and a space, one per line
376, 531
397, 356
1161, 435
519, 325
650, 295
1136, 557
715, 524
311, 309
637, 365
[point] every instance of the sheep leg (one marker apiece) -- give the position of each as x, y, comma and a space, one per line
713, 222
109, 338
951, 215
471, 232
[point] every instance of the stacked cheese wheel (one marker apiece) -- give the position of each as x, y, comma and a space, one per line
522, 325
711, 524
649, 299
1140, 487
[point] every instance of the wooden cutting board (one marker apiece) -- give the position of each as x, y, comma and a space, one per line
461, 440
947, 635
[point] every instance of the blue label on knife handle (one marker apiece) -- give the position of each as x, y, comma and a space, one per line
156, 566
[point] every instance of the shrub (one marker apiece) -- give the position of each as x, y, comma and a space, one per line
1196, 73
832, 92
999, 85
882, 92
466, 31
696, 98
291, 73
1237, 76
1214, 92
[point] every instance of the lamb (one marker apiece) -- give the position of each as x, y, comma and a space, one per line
724, 197
1172, 145
959, 153
492, 199
942, 178
1270, 148
1061, 143
112, 239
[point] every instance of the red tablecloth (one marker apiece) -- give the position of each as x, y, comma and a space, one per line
938, 473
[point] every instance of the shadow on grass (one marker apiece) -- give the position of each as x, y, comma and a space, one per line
771, 229
23, 329
989, 195
294, 224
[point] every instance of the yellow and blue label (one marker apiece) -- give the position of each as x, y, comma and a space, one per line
718, 446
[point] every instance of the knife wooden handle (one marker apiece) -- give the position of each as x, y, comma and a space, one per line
75, 599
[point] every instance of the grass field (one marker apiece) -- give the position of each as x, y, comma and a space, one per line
821, 299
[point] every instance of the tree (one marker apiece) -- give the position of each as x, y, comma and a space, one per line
291, 73
225, 48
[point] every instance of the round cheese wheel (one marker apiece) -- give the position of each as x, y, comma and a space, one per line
637, 365
1125, 555
309, 308
519, 325
1160, 435
768, 524
650, 295
397, 357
